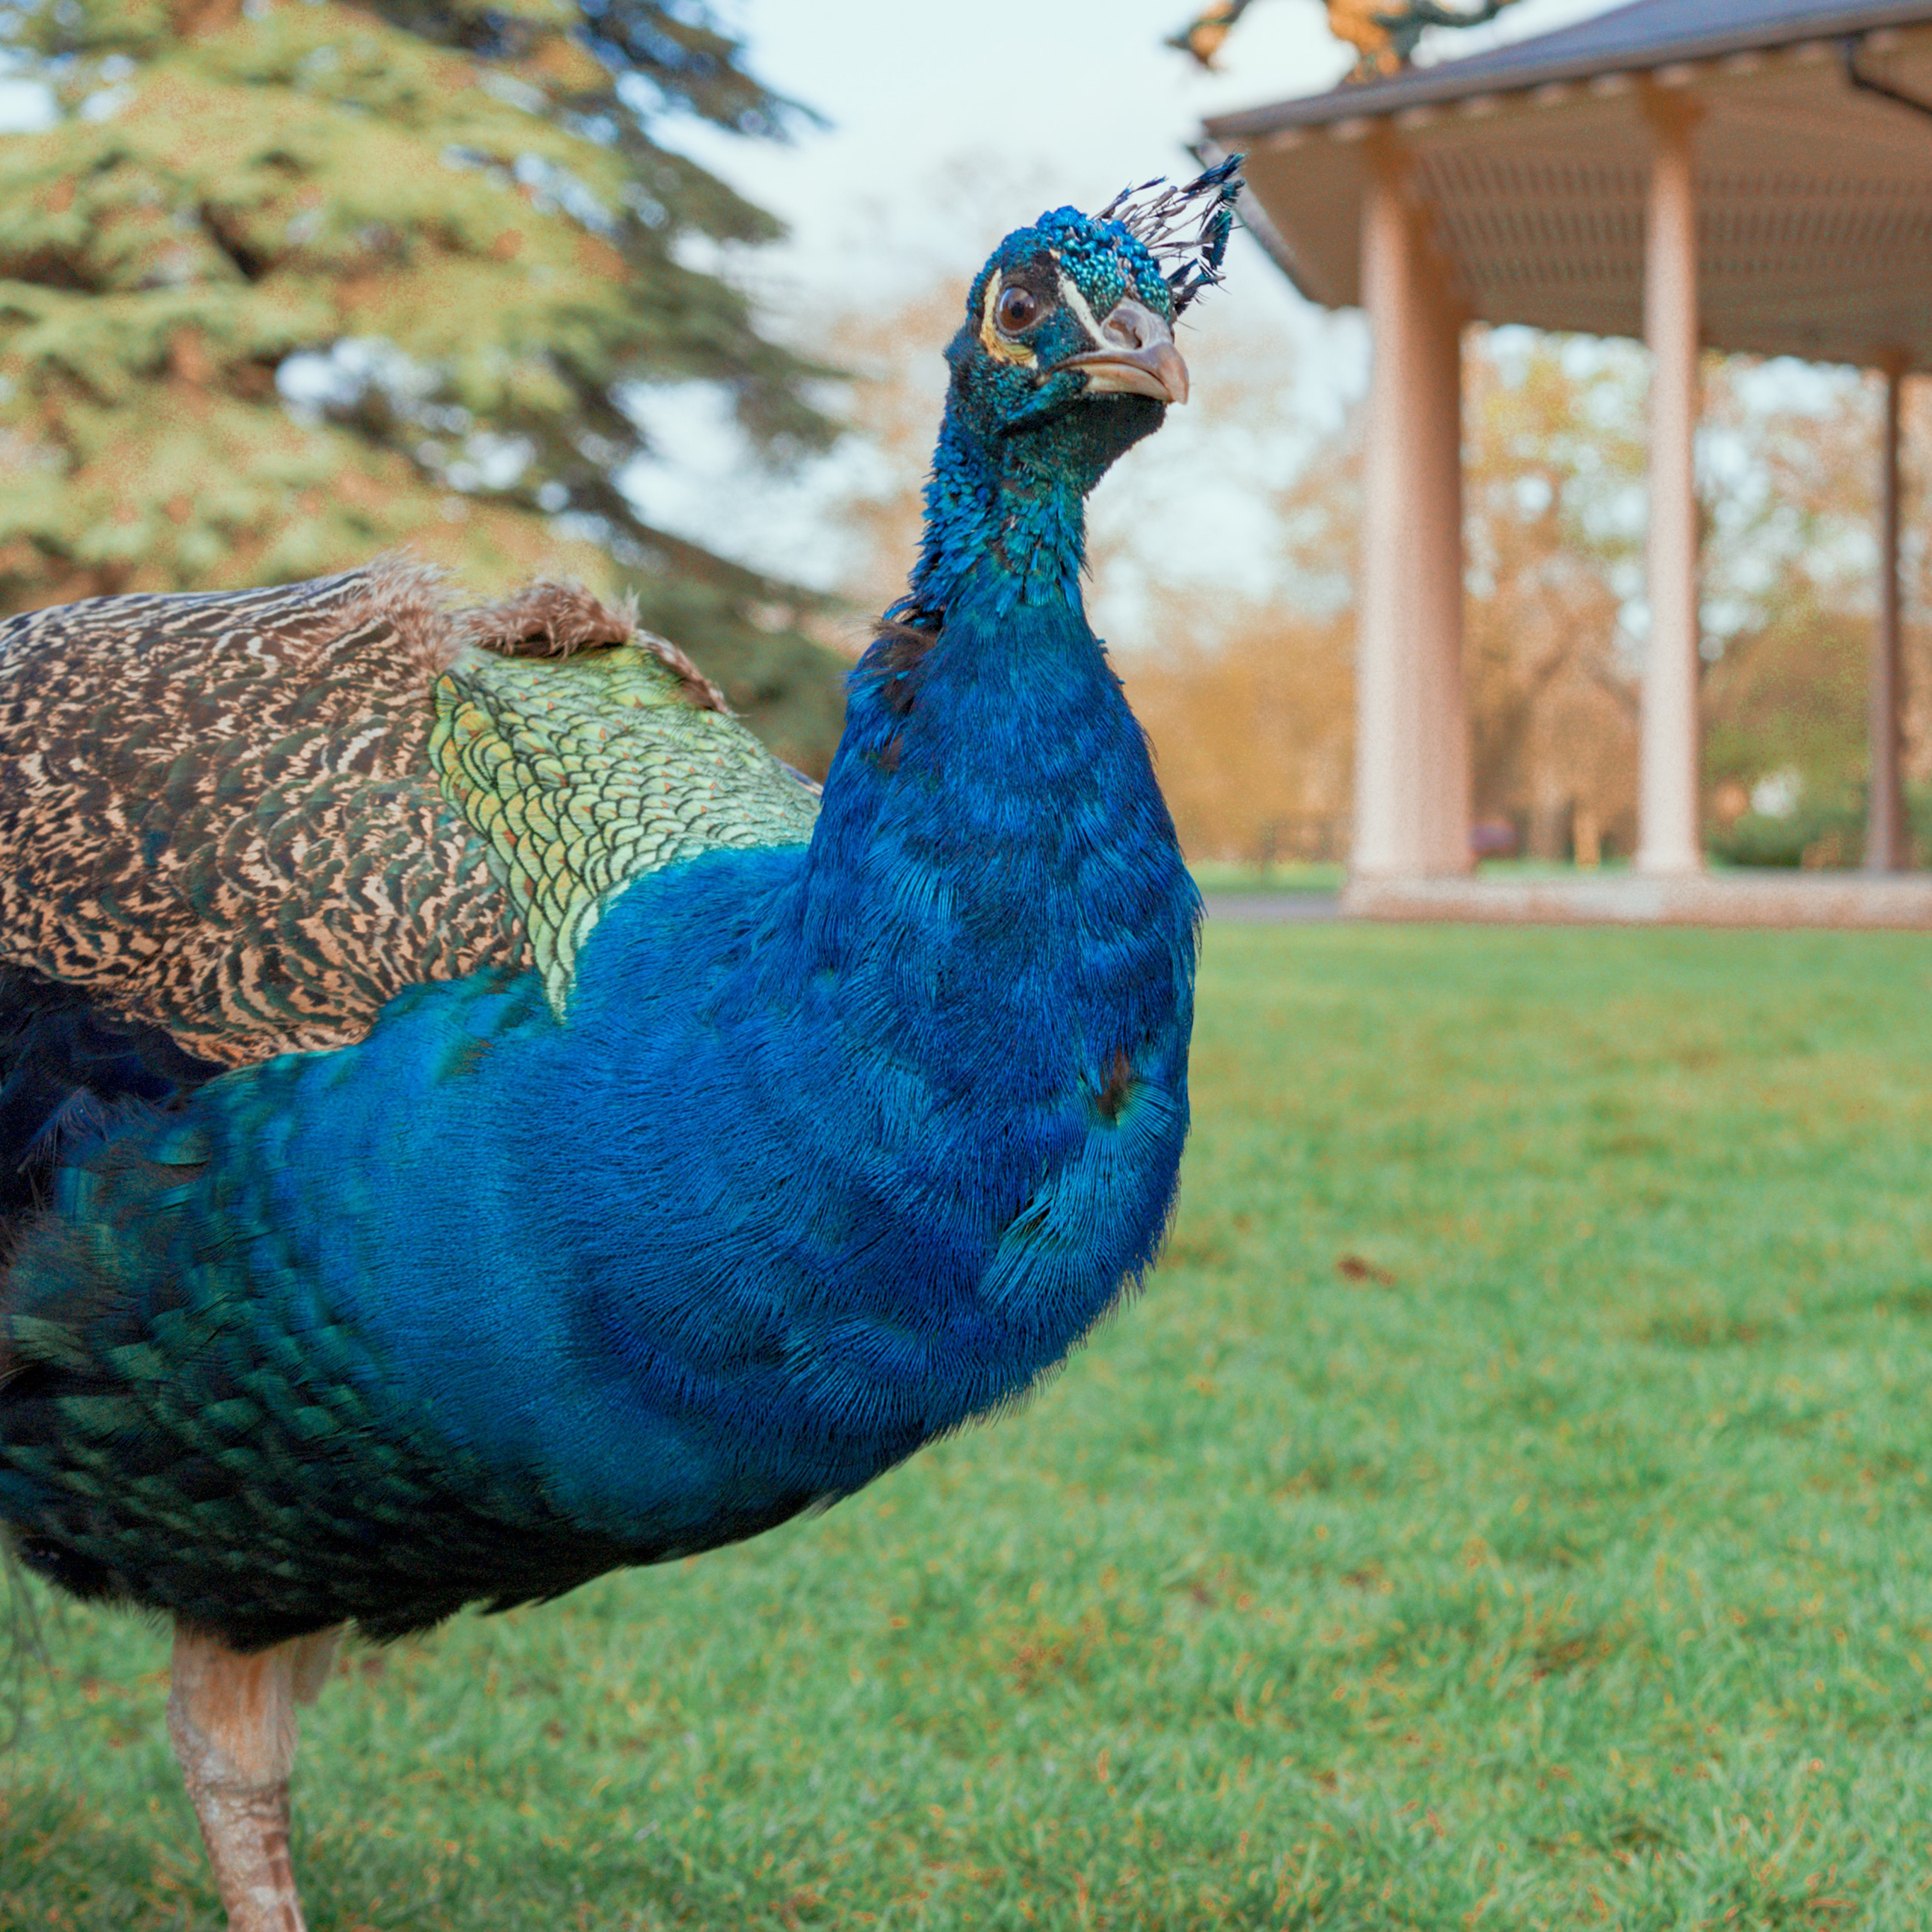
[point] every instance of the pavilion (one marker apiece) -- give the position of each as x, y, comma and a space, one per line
1750, 175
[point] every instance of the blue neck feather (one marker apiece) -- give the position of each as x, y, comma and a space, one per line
992, 805
1008, 509
998, 514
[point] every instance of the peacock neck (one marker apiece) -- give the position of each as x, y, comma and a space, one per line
1005, 519
992, 813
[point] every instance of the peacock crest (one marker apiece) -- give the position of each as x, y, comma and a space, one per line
1185, 228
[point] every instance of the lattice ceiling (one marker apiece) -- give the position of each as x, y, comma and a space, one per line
1814, 201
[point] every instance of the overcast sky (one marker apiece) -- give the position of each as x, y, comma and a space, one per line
1079, 94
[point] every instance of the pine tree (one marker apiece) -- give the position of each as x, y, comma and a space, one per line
291, 282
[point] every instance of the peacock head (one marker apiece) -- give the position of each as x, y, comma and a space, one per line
1067, 356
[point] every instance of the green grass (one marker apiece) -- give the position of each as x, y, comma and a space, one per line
1507, 1508
1547, 869
1288, 875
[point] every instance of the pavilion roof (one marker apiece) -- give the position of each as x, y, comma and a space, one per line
1814, 178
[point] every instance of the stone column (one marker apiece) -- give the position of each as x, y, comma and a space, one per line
1668, 777
1886, 838
1412, 738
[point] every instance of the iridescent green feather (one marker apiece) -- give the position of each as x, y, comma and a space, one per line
585, 773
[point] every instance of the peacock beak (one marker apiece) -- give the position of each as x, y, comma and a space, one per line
1139, 358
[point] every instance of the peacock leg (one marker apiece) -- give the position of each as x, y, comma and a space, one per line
232, 1719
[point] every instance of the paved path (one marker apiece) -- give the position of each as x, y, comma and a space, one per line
1271, 908
1766, 896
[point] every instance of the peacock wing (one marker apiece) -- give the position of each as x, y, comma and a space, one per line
585, 773
224, 835
218, 816
221, 817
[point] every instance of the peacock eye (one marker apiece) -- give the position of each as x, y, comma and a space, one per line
1019, 309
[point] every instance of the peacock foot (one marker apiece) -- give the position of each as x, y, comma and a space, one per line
232, 1720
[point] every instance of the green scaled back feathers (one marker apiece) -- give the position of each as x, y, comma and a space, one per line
585, 773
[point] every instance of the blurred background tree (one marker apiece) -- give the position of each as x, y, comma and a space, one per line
1556, 619
1790, 606
290, 282
1553, 479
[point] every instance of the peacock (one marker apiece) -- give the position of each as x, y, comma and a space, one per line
472, 1118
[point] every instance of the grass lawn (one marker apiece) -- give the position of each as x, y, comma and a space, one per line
1289, 875
1509, 1507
